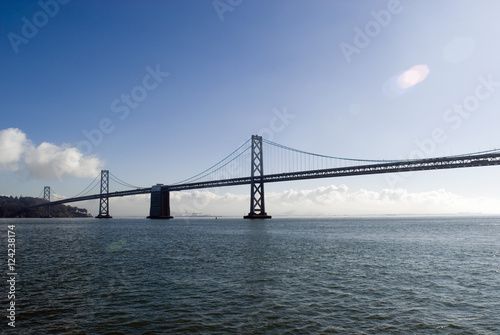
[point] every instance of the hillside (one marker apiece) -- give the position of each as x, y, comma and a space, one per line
14, 207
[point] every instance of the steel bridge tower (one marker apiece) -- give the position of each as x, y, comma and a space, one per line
257, 205
104, 199
46, 197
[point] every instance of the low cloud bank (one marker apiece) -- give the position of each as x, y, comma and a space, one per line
330, 200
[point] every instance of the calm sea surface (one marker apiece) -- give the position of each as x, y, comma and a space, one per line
403, 275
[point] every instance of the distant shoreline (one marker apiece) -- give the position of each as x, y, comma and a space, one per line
19, 207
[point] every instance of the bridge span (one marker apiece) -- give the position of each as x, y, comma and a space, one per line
160, 194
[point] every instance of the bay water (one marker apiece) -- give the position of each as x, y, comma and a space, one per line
342, 275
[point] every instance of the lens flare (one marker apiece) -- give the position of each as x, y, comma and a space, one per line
412, 77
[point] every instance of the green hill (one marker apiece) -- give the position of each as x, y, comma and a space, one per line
14, 207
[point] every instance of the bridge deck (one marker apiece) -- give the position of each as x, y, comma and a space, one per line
391, 167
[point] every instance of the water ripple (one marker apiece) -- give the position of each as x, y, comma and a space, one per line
324, 276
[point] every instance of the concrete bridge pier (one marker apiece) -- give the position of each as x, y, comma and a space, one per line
160, 203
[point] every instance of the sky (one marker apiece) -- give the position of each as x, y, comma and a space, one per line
158, 91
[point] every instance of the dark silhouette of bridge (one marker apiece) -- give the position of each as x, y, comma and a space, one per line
289, 164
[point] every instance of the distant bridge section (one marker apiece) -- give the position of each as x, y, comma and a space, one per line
98, 196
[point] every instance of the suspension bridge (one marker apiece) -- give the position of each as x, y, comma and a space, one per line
245, 166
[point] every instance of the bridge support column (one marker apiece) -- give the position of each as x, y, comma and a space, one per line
46, 197
104, 199
257, 205
160, 203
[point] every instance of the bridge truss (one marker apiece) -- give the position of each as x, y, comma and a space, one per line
219, 175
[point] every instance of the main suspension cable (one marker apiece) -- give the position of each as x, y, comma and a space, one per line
121, 182
325, 156
90, 187
213, 167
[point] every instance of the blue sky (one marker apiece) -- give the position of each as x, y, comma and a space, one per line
369, 79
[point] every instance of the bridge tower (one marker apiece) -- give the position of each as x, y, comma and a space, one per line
160, 203
104, 199
46, 197
257, 205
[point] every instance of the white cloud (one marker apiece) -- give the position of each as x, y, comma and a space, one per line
13, 143
49, 161
46, 161
208, 203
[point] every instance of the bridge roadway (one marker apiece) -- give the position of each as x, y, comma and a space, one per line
440, 163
